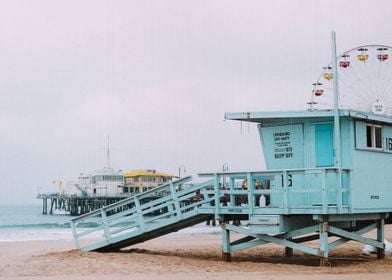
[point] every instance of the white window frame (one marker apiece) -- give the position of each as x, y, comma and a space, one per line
373, 136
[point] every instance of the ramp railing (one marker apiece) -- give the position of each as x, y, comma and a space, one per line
290, 191
145, 212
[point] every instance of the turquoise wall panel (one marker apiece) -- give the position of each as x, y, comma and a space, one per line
371, 176
387, 139
360, 135
371, 181
283, 146
347, 142
276, 185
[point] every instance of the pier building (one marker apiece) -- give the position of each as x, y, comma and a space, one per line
100, 188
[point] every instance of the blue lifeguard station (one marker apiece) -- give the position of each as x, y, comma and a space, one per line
306, 192
328, 175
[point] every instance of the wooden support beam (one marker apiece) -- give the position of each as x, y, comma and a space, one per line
324, 249
343, 240
356, 237
274, 239
242, 240
226, 256
247, 245
381, 238
299, 232
306, 238
290, 244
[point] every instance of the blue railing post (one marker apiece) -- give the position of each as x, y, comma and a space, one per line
217, 198
75, 235
232, 187
250, 192
140, 214
175, 200
106, 226
324, 193
339, 192
349, 196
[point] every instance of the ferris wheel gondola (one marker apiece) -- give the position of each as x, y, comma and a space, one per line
364, 79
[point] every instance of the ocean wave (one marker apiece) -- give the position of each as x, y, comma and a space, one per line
43, 225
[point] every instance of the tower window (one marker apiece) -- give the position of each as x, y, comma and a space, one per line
374, 136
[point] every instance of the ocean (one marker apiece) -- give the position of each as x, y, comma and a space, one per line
27, 223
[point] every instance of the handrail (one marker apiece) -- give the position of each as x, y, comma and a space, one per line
140, 216
295, 188
271, 172
131, 199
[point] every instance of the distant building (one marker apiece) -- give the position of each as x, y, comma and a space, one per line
138, 181
104, 182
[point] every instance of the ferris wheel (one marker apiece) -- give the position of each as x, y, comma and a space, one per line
364, 81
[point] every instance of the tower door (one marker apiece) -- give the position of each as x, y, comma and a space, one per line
324, 145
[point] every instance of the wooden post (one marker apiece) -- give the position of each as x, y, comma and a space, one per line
380, 238
289, 252
232, 187
217, 196
324, 249
251, 186
226, 256
45, 206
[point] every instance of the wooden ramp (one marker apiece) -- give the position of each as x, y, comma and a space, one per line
162, 230
142, 217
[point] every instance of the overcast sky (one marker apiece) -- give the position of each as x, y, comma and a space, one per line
157, 76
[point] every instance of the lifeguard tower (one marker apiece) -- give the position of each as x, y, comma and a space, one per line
328, 175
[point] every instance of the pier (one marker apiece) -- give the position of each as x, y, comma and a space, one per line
74, 205
101, 188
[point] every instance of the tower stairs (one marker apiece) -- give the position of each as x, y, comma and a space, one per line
145, 216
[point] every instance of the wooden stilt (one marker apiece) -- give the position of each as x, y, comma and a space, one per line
380, 238
324, 261
323, 243
289, 252
226, 257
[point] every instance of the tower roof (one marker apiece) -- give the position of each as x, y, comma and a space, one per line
273, 116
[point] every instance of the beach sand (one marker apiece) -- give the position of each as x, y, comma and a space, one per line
185, 257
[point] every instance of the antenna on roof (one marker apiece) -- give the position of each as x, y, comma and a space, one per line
108, 155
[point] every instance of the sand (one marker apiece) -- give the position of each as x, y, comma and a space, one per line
190, 257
